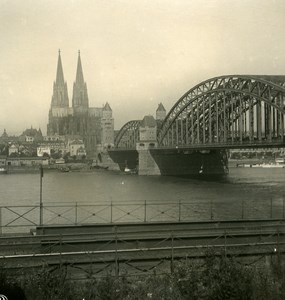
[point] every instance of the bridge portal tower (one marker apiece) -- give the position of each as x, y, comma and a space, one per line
147, 141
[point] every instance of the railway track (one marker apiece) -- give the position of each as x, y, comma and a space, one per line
138, 245
124, 236
136, 259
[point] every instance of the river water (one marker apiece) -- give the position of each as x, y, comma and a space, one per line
105, 186
244, 192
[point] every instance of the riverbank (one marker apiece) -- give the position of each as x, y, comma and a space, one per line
65, 167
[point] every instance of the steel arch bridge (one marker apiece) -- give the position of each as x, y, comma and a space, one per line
225, 112
128, 135
228, 111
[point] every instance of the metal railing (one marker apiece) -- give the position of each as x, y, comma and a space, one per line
118, 256
21, 218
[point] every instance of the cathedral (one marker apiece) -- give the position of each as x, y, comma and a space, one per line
93, 125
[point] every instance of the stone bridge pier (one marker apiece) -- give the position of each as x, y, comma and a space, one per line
147, 165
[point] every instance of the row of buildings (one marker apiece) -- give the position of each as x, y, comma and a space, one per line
32, 143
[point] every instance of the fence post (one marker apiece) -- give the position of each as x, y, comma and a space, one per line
41, 214
111, 207
116, 254
75, 213
60, 250
41, 194
225, 243
1, 232
172, 254
179, 214
278, 247
144, 210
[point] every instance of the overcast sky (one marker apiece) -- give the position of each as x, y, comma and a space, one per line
135, 53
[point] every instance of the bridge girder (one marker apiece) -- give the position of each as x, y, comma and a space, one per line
227, 109
128, 135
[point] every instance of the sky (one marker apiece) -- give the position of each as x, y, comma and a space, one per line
135, 53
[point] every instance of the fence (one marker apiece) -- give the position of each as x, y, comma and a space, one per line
165, 252
22, 218
118, 256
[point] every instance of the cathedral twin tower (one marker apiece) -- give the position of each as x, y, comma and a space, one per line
95, 126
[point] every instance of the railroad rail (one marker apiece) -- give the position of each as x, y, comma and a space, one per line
130, 247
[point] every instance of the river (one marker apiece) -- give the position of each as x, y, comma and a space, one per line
244, 192
105, 186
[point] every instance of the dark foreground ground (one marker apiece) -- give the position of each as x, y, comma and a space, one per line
215, 277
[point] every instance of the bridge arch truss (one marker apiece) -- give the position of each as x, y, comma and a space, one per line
228, 110
128, 135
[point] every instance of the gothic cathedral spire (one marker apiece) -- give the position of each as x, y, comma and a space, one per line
80, 96
79, 72
59, 102
59, 71
60, 95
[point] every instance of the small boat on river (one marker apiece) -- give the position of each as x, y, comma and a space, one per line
64, 169
99, 167
273, 165
130, 171
278, 163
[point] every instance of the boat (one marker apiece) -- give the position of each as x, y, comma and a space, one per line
64, 169
278, 163
100, 167
130, 171
244, 166
273, 165
3, 171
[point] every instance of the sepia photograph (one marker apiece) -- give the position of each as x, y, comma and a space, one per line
142, 149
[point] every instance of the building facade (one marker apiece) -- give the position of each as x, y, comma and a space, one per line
95, 126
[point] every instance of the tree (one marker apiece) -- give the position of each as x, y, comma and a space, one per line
14, 154
66, 156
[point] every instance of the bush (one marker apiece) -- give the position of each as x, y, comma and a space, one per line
215, 278
46, 284
10, 288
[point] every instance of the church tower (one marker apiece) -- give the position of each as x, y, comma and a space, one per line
80, 101
60, 95
59, 103
93, 125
